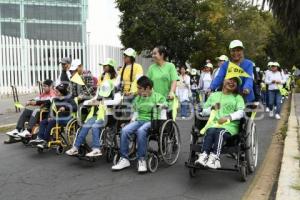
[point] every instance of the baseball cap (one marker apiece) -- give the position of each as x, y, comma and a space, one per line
209, 65
130, 52
74, 65
65, 60
236, 43
222, 58
110, 62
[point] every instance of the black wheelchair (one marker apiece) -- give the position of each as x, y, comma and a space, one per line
163, 142
243, 147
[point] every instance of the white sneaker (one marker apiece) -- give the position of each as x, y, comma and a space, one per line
24, 134
122, 164
267, 109
13, 133
95, 152
271, 114
277, 116
142, 166
37, 141
72, 152
213, 161
202, 160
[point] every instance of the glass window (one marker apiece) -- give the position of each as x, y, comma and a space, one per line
9, 10
10, 29
43, 12
54, 1
56, 32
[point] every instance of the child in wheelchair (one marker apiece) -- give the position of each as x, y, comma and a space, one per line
62, 107
32, 115
95, 120
140, 124
227, 107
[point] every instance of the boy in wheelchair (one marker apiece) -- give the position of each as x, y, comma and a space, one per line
94, 120
227, 107
140, 124
62, 107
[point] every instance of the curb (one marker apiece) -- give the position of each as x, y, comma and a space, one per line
290, 166
6, 127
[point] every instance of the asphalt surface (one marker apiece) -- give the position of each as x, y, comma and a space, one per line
25, 174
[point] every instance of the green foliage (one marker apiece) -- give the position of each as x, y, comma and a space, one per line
196, 30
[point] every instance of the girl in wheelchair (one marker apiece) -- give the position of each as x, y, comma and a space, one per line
140, 124
95, 120
62, 106
227, 107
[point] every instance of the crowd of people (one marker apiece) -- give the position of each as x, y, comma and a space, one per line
216, 88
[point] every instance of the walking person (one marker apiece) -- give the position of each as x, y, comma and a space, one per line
183, 92
205, 81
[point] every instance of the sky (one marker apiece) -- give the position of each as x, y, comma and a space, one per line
103, 22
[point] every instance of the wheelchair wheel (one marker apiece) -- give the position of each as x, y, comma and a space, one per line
110, 154
116, 158
251, 152
169, 142
71, 130
59, 150
152, 163
243, 172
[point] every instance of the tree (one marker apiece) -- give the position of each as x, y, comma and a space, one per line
145, 24
288, 12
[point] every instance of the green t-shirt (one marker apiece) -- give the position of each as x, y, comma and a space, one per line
162, 77
144, 106
228, 105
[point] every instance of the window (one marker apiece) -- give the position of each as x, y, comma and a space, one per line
9, 10
10, 29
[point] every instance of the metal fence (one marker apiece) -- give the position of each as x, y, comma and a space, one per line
25, 62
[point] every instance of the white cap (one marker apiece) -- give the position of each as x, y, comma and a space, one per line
222, 58
236, 43
74, 65
194, 72
276, 64
270, 63
209, 65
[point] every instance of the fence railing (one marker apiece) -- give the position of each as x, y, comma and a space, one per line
25, 62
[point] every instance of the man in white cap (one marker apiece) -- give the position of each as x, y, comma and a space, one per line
65, 74
221, 60
236, 49
85, 91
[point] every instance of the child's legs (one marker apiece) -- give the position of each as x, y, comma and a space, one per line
220, 137
208, 140
126, 134
42, 128
142, 134
97, 127
83, 132
25, 116
271, 99
33, 119
278, 101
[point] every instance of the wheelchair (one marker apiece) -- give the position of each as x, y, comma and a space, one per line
110, 135
243, 147
61, 137
165, 135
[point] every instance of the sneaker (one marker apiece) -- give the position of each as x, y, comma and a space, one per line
13, 133
122, 164
95, 152
72, 152
202, 160
271, 114
267, 109
37, 141
42, 146
277, 116
142, 166
24, 134
213, 161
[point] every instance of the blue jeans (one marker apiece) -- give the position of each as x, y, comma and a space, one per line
214, 140
275, 100
47, 124
140, 128
184, 109
96, 126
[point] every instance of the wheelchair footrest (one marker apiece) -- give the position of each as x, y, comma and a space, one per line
192, 165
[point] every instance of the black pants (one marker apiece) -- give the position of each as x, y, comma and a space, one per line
214, 140
30, 116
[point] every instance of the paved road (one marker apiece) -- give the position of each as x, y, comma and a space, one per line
25, 174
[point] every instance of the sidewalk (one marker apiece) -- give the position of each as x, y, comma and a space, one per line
8, 113
290, 168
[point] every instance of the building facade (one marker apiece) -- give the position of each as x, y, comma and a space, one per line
59, 20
